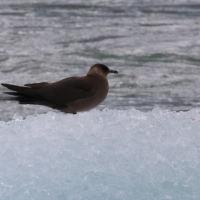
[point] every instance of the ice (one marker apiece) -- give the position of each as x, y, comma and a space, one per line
101, 155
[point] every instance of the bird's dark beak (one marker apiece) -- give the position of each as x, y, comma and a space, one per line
113, 71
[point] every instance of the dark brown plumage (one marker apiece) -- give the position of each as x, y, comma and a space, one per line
70, 95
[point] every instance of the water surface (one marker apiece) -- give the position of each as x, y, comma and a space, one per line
155, 46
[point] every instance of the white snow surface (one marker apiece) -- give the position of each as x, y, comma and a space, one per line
101, 155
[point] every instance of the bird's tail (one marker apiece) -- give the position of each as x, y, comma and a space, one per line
25, 99
20, 90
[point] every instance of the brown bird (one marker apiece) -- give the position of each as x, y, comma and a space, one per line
70, 95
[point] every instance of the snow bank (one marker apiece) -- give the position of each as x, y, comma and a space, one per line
101, 155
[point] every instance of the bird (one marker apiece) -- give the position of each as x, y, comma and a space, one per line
69, 95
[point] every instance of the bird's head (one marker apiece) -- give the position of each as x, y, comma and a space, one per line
100, 69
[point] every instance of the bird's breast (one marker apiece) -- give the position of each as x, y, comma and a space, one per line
100, 91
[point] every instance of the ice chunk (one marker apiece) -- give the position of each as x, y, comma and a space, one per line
113, 154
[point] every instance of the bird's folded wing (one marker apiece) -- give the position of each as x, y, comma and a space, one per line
36, 85
68, 90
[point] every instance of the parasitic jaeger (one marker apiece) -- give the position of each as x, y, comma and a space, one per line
70, 95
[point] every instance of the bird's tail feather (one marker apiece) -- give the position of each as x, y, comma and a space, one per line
24, 99
22, 90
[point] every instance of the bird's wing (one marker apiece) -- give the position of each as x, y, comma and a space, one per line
68, 90
61, 92
36, 85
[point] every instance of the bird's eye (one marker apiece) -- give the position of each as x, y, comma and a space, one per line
104, 68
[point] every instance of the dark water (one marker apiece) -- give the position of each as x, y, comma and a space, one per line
155, 46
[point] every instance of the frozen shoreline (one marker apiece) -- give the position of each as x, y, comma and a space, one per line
111, 154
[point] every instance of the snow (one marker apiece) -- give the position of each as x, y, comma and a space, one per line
101, 155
